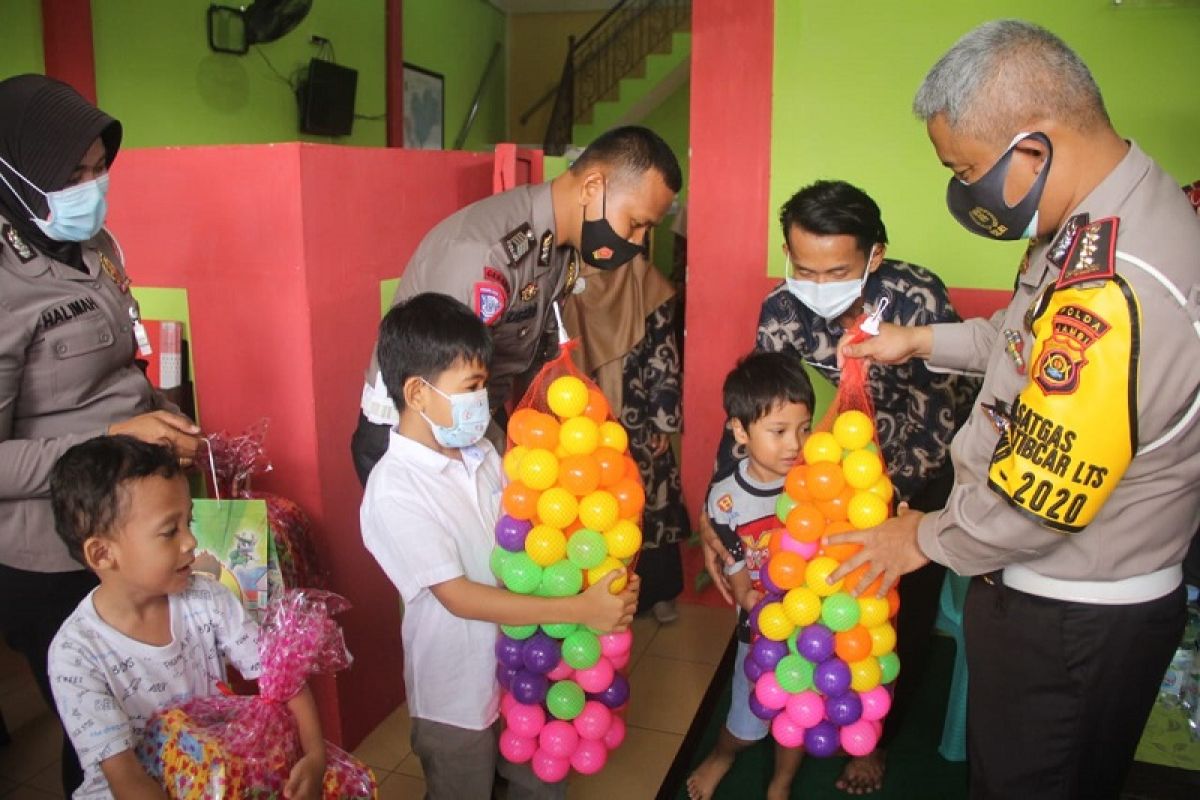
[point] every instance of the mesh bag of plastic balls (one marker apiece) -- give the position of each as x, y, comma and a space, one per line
571, 514
823, 660
235, 460
240, 746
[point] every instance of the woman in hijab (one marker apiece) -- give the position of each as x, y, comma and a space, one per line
625, 320
69, 332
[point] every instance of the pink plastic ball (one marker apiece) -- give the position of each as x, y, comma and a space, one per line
558, 738
616, 734
786, 731
875, 703
877, 726
507, 701
805, 550
769, 692
517, 749
597, 677
526, 721
561, 672
548, 768
806, 709
859, 738
589, 757
612, 644
594, 721
620, 660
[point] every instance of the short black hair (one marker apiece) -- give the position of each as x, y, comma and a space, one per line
85, 484
761, 381
424, 336
835, 208
631, 151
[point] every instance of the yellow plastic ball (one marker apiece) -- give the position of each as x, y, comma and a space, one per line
883, 639
862, 468
866, 510
595, 574
865, 674
538, 469
579, 436
802, 606
821, 446
599, 510
623, 539
614, 436
853, 430
883, 489
774, 623
567, 396
557, 507
545, 545
512, 461
872, 611
817, 571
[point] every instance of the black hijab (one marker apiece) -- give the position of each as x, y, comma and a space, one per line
46, 128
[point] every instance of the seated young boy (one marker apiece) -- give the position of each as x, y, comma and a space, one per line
768, 399
152, 634
428, 518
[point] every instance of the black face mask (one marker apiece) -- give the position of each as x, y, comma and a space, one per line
980, 207
601, 246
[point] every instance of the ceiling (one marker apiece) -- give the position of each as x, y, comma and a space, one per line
544, 6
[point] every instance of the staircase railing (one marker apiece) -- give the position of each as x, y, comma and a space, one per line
597, 61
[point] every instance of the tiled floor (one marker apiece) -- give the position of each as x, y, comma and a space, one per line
670, 670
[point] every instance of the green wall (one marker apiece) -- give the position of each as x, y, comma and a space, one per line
20, 37
455, 38
670, 121
846, 73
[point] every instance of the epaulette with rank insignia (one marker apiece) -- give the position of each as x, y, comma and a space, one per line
1093, 256
517, 243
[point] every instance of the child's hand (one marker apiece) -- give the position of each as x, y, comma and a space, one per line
608, 612
750, 599
307, 779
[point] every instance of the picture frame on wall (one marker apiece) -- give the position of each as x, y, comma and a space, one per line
424, 108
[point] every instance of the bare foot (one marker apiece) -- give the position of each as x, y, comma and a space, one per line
703, 782
863, 775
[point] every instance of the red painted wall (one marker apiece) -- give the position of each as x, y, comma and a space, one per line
281, 249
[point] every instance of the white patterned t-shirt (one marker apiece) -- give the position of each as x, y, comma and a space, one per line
107, 685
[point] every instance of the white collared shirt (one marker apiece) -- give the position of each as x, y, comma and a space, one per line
428, 519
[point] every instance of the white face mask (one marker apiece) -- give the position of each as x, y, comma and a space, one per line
831, 298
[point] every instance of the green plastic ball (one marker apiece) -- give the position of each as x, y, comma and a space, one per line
586, 548
560, 630
562, 579
519, 631
889, 667
498, 559
794, 673
784, 506
520, 574
840, 612
581, 650
565, 700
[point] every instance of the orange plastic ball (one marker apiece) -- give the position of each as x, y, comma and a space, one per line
612, 465
837, 509
519, 501
775, 541
579, 474
840, 552
852, 645
805, 523
542, 431
825, 480
631, 469
821, 448
893, 601
796, 483
853, 578
631, 497
787, 569
518, 424
597, 406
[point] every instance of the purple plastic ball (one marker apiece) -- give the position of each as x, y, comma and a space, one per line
529, 687
505, 675
752, 669
541, 653
508, 651
821, 740
767, 653
510, 533
843, 710
617, 693
769, 586
815, 643
761, 711
832, 678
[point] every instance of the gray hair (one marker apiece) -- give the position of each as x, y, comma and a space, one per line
1006, 74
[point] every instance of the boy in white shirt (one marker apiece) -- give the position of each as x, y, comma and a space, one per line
152, 634
428, 517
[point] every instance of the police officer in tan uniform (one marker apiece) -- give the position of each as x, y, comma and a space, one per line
1076, 474
69, 332
511, 256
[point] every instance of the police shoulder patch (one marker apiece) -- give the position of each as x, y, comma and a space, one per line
1093, 255
496, 276
518, 242
490, 300
19, 246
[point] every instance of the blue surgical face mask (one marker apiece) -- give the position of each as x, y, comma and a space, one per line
76, 213
469, 418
